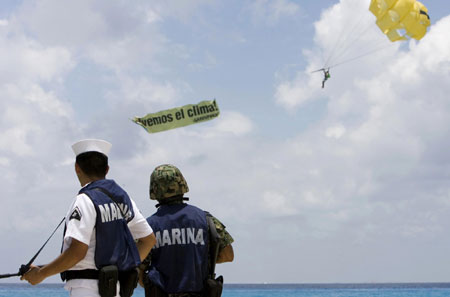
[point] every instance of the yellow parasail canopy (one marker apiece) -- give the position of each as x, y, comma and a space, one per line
401, 19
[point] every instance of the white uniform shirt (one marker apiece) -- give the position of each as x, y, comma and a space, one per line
80, 225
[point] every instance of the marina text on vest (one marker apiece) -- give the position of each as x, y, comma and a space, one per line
113, 211
179, 236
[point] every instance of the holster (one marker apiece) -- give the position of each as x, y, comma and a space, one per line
107, 281
152, 290
213, 287
128, 282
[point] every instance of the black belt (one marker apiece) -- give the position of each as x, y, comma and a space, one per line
81, 274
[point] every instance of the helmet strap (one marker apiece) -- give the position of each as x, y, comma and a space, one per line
171, 200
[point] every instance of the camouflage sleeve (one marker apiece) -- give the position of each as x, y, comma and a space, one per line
225, 237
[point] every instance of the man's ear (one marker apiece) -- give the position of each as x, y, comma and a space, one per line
107, 169
78, 169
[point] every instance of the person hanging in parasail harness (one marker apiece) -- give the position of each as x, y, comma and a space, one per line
326, 76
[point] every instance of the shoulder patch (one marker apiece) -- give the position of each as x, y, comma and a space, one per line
76, 214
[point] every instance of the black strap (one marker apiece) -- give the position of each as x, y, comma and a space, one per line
107, 193
213, 244
25, 267
9, 275
84, 274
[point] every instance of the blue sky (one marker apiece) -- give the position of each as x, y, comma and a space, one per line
344, 184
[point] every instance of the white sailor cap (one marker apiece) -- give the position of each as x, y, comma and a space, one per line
91, 145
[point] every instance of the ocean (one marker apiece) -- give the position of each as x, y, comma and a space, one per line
267, 290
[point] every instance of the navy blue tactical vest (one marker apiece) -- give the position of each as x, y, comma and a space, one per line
179, 260
114, 242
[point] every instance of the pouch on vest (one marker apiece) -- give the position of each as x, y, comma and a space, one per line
107, 281
213, 287
128, 282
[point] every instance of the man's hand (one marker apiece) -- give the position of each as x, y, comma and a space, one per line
141, 277
74, 254
33, 276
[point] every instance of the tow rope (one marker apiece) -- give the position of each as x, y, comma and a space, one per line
25, 267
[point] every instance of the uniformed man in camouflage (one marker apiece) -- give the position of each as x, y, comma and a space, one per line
179, 263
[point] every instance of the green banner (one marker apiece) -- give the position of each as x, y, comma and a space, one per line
179, 116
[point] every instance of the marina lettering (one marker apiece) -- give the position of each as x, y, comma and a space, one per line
112, 211
179, 236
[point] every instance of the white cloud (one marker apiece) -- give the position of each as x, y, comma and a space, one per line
116, 35
47, 102
276, 204
291, 94
129, 53
14, 140
336, 131
180, 9
4, 162
233, 122
152, 16
347, 40
35, 121
271, 11
390, 119
142, 90
24, 59
78, 23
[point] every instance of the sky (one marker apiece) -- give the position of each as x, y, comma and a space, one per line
349, 183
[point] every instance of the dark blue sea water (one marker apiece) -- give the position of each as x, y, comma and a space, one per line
268, 290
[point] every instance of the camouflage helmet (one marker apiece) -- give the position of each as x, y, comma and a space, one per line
167, 181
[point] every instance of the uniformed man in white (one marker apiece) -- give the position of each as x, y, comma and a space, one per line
84, 225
